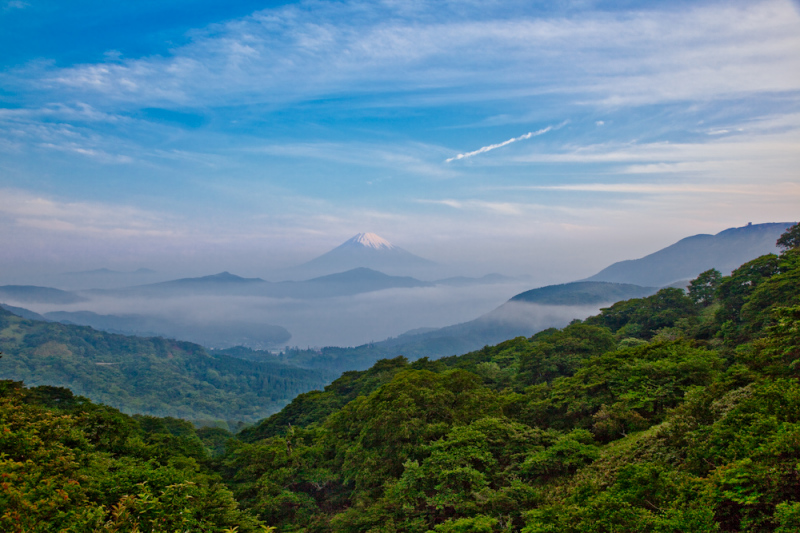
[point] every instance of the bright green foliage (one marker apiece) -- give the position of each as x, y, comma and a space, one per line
671, 413
629, 385
83, 467
392, 425
781, 290
555, 353
644, 317
734, 291
315, 406
787, 517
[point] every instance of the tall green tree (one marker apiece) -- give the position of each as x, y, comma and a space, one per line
790, 238
703, 288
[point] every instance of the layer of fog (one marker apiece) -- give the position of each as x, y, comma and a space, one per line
345, 321
525, 315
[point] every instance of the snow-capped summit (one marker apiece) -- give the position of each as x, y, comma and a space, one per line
369, 240
365, 250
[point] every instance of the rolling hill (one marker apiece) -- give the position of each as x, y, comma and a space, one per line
152, 376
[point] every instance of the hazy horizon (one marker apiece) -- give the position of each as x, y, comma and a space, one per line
535, 138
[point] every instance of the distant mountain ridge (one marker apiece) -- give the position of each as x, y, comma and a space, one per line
24, 313
583, 293
222, 277
106, 278
688, 257
35, 294
347, 283
105, 270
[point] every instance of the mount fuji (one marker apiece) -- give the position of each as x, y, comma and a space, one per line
365, 250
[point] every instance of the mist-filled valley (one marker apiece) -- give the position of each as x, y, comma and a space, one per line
335, 321
363, 305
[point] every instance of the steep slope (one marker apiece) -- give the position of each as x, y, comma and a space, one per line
690, 256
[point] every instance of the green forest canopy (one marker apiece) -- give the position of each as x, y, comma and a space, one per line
670, 413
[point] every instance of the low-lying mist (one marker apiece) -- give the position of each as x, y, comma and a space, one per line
340, 321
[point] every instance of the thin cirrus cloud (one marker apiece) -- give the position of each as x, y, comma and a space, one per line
498, 208
23, 209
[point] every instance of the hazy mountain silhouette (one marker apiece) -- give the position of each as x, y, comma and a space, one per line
688, 257
583, 293
24, 313
348, 283
106, 278
223, 279
523, 315
366, 250
39, 295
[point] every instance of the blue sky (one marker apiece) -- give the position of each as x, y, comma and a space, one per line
546, 138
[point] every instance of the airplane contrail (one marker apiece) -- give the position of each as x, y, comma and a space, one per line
499, 145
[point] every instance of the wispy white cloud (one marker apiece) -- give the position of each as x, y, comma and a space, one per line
94, 153
363, 63
16, 4
310, 49
69, 129
492, 207
767, 149
499, 145
77, 112
25, 209
782, 189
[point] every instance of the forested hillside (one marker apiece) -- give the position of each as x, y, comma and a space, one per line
70, 465
152, 376
675, 412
